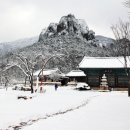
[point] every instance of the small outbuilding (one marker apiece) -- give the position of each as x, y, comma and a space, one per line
76, 75
49, 74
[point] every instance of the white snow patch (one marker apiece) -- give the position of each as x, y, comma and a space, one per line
109, 111
104, 111
104, 62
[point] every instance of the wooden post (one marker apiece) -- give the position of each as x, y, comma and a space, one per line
37, 82
129, 91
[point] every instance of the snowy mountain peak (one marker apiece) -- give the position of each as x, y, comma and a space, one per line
68, 25
83, 26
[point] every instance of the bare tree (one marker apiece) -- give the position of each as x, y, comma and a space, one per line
4, 77
127, 3
26, 65
46, 60
121, 32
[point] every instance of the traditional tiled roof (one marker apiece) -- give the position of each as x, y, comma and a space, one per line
48, 72
75, 73
104, 62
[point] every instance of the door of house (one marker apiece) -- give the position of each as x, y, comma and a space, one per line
94, 80
111, 79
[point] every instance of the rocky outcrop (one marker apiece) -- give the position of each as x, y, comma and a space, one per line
68, 25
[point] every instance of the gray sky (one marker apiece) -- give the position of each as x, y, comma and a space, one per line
26, 18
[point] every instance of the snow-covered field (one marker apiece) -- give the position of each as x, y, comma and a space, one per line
65, 109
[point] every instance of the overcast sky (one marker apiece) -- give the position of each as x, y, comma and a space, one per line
26, 18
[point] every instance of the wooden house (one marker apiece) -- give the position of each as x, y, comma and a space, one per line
116, 70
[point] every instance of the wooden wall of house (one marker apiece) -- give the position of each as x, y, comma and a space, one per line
78, 79
117, 78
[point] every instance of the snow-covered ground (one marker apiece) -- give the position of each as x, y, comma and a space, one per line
65, 109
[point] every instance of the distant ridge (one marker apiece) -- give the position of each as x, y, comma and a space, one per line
17, 44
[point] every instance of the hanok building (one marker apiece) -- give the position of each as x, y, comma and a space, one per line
116, 70
76, 75
48, 74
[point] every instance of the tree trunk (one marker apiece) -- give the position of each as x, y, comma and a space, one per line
31, 83
25, 81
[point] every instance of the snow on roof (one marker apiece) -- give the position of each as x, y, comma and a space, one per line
76, 73
47, 71
104, 62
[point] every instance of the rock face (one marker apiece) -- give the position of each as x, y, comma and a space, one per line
68, 25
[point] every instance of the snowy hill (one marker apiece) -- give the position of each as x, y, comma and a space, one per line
10, 46
70, 37
104, 41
